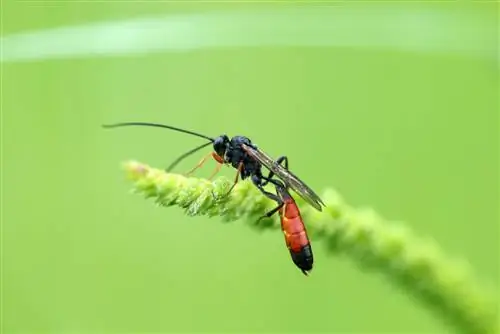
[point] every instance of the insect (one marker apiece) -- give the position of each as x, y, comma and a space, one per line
242, 154
293, 228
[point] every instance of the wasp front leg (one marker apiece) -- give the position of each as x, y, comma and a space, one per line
202, 162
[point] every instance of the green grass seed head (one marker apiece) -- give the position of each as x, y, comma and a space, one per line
416, 265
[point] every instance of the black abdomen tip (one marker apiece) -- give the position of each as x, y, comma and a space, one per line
303, 258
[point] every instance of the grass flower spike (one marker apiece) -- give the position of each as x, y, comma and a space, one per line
418, 266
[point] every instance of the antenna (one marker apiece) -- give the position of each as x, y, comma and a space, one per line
188, 153
108, 126
179, 159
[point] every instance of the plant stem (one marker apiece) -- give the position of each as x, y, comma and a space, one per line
418, 266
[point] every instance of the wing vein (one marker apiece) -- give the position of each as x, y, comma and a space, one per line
290, 179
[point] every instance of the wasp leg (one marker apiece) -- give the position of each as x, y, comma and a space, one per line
236, 179
273, 211
199, 165
257, 181
217, 170
280, 160
277, 183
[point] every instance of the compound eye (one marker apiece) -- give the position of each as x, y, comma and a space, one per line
220, 146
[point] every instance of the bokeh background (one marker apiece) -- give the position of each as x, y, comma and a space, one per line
412, 134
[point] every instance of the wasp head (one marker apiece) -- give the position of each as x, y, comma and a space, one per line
221, 144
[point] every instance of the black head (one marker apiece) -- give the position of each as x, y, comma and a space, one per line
221, 144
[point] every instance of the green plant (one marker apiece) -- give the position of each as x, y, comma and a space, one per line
419, 266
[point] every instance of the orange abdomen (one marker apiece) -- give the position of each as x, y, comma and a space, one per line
296, 237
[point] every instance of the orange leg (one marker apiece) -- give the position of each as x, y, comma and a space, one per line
199, 165
217, 169
240, 167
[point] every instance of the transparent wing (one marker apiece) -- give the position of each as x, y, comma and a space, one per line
286, 176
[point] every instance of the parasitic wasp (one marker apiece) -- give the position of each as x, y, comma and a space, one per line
247, 158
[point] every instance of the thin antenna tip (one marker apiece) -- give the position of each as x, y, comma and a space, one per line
158, 126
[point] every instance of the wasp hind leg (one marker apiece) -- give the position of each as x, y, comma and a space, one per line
273, 211
280, 161
258, 183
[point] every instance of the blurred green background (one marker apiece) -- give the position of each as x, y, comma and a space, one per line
413, 135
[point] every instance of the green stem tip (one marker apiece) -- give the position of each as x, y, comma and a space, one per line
419, 266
